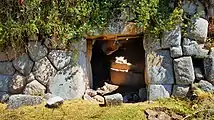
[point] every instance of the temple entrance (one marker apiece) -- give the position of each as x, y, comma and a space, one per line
118, 62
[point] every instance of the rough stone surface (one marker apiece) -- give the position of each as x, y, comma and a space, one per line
5, 80
34, 88
36, 50
200, 31
142, 94
151, 44
206, 86
192, 48
6, 68
212, 52
114, 99
180, 91
184, 71
16, 101
159, 91
68, 83
171, 38
60, 58
17, 84
176, 51
54, 102
193, 7
209, 68
43, 71
23, 64
4, 97
198, 73
30, 78
159, 66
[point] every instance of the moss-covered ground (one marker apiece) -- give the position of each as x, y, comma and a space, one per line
199, 108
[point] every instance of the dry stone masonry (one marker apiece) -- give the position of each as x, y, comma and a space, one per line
43, 70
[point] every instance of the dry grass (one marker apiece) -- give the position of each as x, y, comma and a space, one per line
200, 108
83, 110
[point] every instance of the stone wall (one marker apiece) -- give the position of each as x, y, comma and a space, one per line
43, 70
171, 60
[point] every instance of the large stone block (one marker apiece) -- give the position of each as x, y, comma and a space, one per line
151, 43
36, 50
4, 82
176, 51
159, 65
206, 86
34, 88
199, 33
191, 48
6, 68
184, 71
43, 71
60, 58
171, 38
209, 69
17, 84
23, 64
16, 101
159, 91
69, 83
180, 91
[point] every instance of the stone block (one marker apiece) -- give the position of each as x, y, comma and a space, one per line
151, 43
206, 86
34, 88
191, 48
180, 90
4, 82
36, 50
209, 69
68, 83
159, 91
184, 71
171, 38
23, 64
193, 7
17, 84
198, 73
16, 101
159, 65
199, 33
6, 68
43, 71
60, 58
176, 51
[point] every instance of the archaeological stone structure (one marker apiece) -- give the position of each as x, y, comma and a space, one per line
171, 64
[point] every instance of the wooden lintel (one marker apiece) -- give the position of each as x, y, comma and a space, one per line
113, 37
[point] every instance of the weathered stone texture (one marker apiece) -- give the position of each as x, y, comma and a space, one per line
206, 86
17, 84
151, 43
34, 88
159, 91
36, 50
184, 71
43, 71
209, 69
159, 66
200, 31
6, 68
16, 101
68, 83
171, 38
180, 91
176, 51
5, 80
23, 64
60, 58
